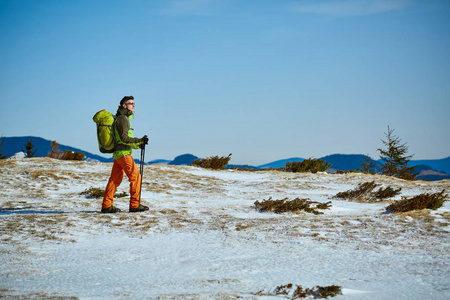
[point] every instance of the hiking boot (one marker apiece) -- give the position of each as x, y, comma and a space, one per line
110, 210
139, 208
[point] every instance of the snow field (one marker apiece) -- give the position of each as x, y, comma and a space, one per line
203, 239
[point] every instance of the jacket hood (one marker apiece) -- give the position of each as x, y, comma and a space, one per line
123, 111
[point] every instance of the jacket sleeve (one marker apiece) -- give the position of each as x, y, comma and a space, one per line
123, 125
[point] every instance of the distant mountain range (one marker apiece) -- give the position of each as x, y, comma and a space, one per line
280, 163
426, 169
432, 169
12, 145
341, 162
185, 159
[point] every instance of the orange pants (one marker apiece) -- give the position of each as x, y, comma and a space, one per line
124, 164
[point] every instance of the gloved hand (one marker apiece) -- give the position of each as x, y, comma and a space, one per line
144, 142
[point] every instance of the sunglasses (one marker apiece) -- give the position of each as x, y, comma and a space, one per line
131, 103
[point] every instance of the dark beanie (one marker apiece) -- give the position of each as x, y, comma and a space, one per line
125, 99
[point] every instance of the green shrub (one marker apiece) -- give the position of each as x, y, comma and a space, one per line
71, 155
99, 193
121, 195
298, 292
317, 292
283, 289
361, 191
308, 165
296, 205
422, 201
388, 192
93, 192
213, 162
364, 193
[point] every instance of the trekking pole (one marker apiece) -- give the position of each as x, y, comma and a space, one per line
141, 171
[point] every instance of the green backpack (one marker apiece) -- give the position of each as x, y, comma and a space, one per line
105, 131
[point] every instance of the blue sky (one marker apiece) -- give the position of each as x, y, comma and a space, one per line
264, 80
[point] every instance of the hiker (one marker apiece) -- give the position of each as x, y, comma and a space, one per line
123, 161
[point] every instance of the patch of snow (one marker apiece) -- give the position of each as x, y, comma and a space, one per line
19, 155
203, 238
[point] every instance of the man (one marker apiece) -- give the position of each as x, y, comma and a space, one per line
123, 161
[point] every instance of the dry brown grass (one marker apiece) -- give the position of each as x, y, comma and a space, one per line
423, 215
156, 187
21, 295
44, 174
35, 226
47, 175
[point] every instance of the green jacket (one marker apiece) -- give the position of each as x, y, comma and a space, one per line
124, 134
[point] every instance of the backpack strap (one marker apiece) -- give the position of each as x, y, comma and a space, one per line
119, 147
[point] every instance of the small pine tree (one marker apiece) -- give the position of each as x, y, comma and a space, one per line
395, 158
1, 146
29, 146
368, 165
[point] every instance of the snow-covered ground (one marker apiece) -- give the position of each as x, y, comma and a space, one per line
204, 239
